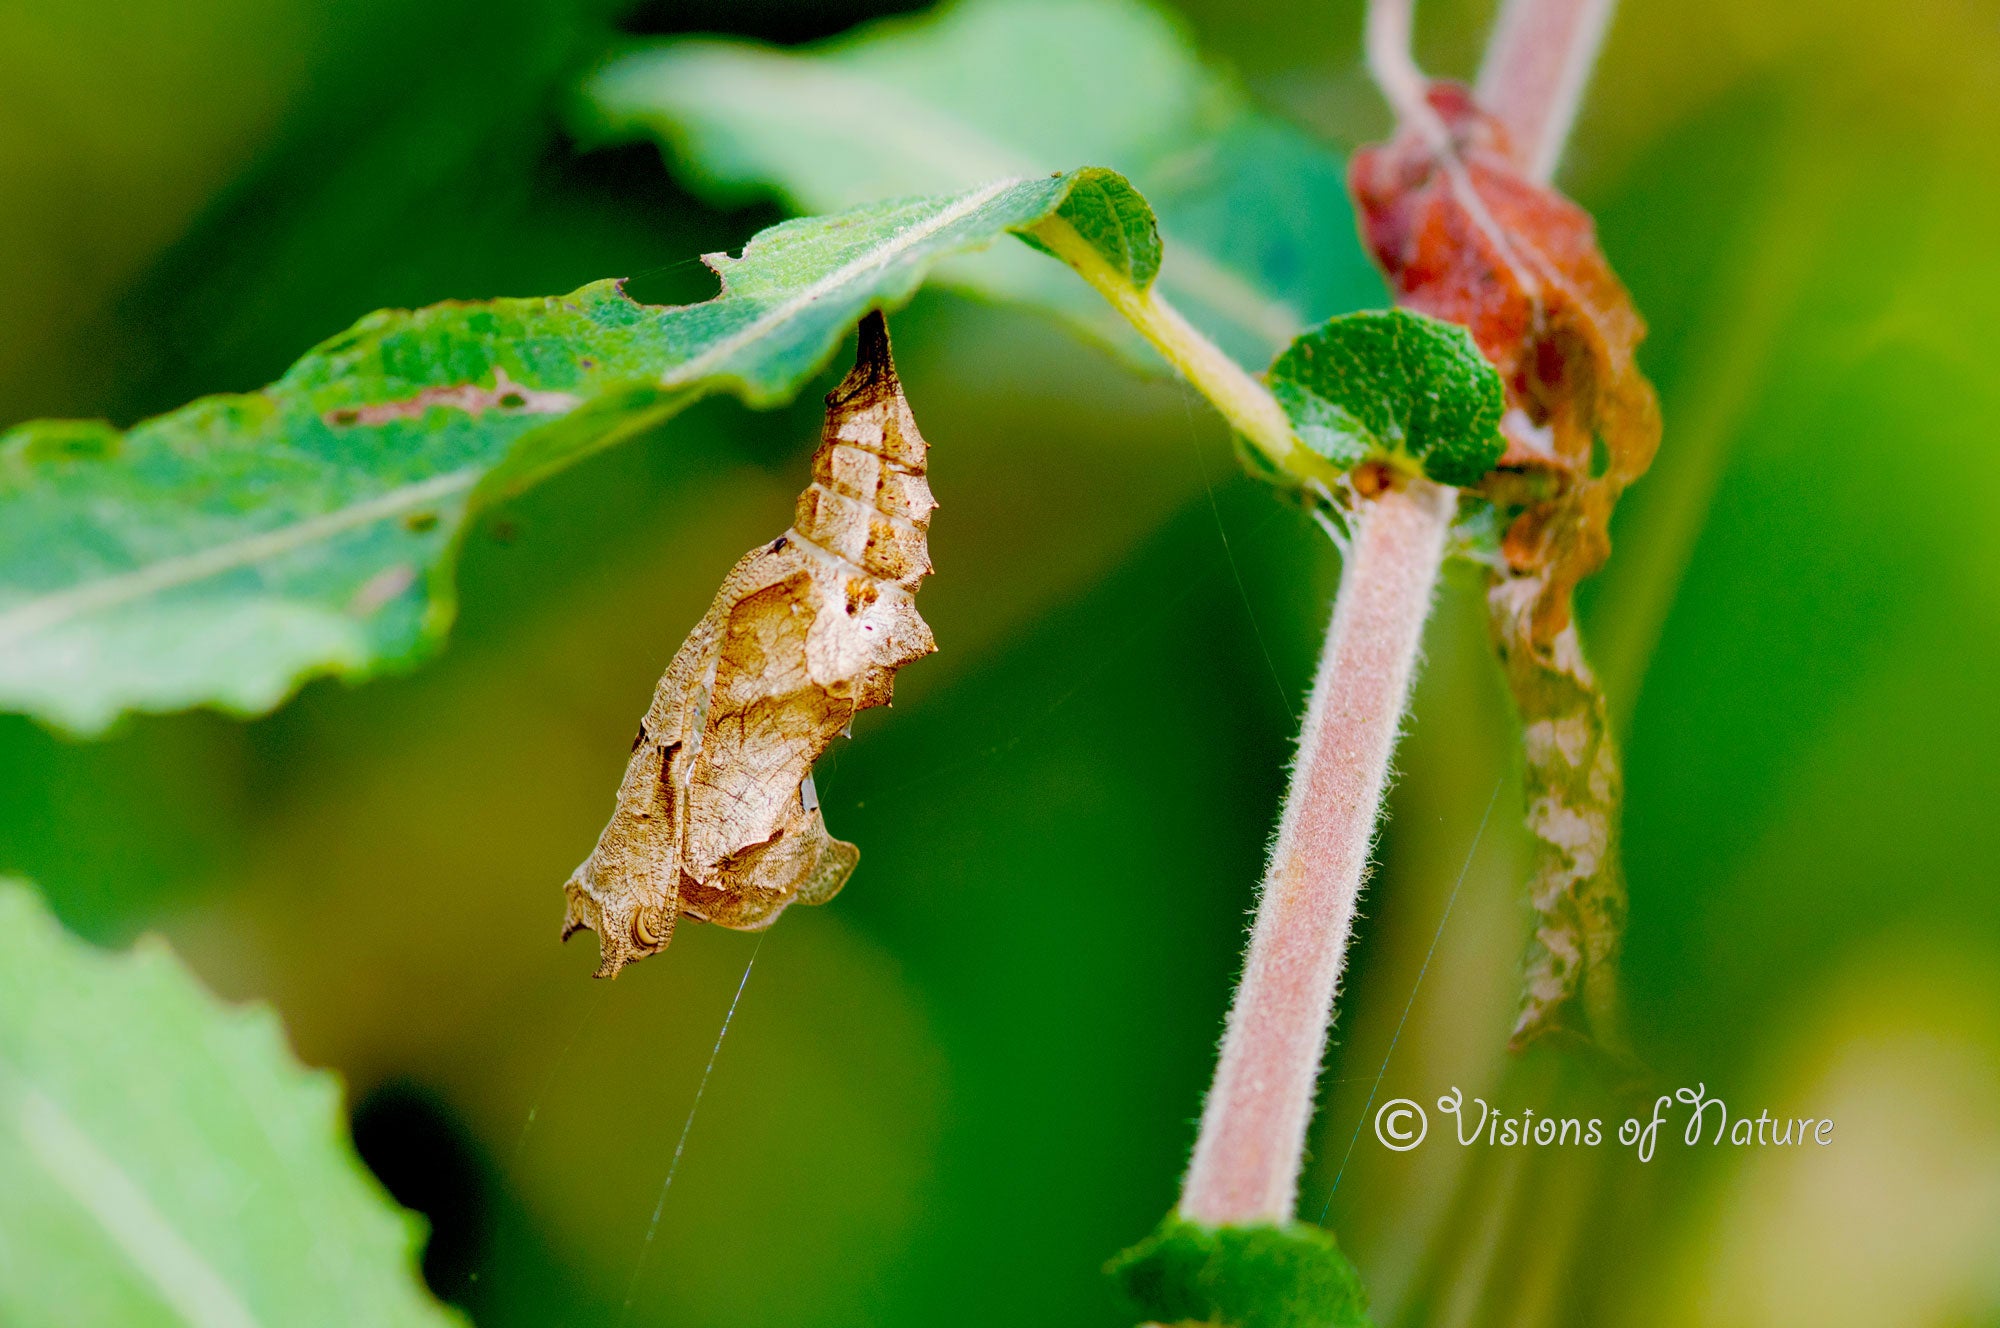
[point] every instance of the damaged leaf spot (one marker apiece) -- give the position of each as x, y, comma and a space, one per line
505, 394
379, 589
717, 819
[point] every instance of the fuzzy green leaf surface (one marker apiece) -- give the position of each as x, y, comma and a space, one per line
1260, 237
164, 1159
221, 554
1261, 1276
1393, 384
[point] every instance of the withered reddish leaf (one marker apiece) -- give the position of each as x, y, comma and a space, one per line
716, 818
1464, 235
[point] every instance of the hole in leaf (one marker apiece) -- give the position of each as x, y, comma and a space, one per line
513, 400
428, 1162
1600, 458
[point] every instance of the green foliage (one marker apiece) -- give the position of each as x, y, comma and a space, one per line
220, 554
1117, 222
1395, 384
1260, 1276
164, 1160
1815, 722
1260, 237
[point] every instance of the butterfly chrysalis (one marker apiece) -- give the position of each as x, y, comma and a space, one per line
717, 817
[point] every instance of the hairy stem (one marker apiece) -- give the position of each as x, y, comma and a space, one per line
1253, 1127
1397, 76
1403, 85
1247, 1156
1537, 62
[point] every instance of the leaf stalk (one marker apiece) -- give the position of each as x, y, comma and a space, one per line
1244, 402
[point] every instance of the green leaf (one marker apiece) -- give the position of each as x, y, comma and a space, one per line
1394, 384
221, 554
1260, 1276
164, 1160
1260, 237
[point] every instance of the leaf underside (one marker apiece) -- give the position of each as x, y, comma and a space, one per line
1260, 238
164, 1160
221, 554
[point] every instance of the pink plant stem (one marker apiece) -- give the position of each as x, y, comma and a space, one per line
1253, 1126
1385, 38
1537, 62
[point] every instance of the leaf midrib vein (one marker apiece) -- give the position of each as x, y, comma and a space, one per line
40, 614
880, 256
184, 1280
37, 615
1186, 266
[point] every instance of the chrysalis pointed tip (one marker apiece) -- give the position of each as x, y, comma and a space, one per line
872, 342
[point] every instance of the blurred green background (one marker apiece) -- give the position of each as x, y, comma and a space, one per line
950, 1095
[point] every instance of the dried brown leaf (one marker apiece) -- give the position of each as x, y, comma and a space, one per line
717, 818
1465, 235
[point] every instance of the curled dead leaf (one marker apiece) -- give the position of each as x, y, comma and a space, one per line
1465, 235
717, 817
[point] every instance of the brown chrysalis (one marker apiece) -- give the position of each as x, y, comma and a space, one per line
717, 817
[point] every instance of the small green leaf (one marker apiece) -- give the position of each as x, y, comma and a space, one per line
221, 554
1260, 239
1394, 384
164, 1160
1114, 219
1260, 1276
